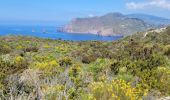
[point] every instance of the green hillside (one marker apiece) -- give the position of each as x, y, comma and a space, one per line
132, 68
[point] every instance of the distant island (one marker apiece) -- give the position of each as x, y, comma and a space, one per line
115, 24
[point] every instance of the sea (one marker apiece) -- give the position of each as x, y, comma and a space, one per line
50, 32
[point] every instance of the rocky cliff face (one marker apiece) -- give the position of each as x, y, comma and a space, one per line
108, 25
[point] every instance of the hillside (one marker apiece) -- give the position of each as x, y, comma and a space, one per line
133, 68
153, 20
107, 25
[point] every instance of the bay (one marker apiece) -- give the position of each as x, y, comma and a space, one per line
51, 32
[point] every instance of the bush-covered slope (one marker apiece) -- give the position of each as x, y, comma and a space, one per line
136, 67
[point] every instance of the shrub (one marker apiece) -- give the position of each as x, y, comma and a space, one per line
65, 61
115, 67
88, 59
75, 74
5, 49
48, 68
167, 50
126, 77
115, 90
11, 66
31, 49
98, 67
163, 75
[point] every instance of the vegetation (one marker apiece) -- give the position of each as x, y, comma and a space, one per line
132, 68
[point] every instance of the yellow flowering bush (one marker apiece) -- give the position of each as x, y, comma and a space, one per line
61, 49
164, 80
48, 68
19, 59
20, 62
75, 74
116, 90
157, 79
44, 58
19, 47
47, 46
65, 61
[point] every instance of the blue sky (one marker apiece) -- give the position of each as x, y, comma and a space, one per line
59, 11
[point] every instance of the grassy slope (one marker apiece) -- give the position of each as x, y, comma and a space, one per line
52, 69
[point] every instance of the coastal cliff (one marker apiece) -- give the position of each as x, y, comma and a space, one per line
108, 25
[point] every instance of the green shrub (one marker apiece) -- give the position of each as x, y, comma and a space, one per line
31, 49
88, 59
99, 67
5, 49
167, 50
115, 67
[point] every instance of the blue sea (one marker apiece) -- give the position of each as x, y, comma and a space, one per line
51, 32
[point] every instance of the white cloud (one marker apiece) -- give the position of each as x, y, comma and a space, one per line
91, 15
164, 4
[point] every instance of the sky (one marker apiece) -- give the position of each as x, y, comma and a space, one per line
61, 11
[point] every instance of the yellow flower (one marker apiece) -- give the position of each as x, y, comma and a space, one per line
19, 59
53, 63
19, 47
113, 95
46, 46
